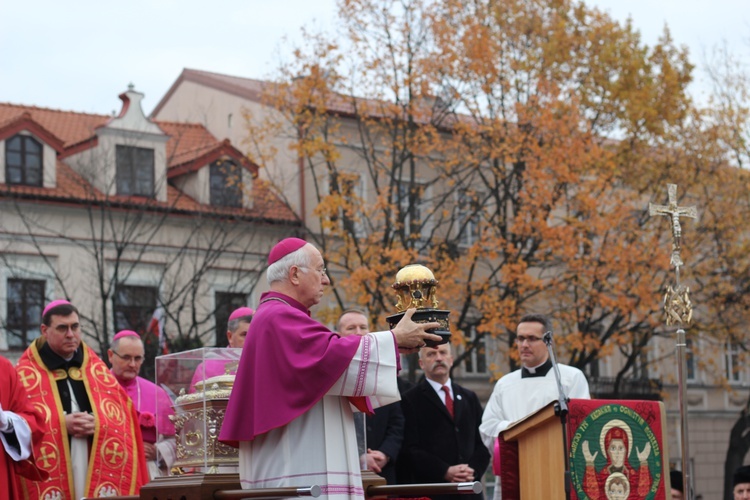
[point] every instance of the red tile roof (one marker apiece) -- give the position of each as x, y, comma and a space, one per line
337, 103
242, 87
190, 147
68, 126
254, 90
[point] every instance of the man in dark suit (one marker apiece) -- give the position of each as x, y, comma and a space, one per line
442, 443
385, 428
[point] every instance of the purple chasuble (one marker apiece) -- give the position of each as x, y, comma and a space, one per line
146, 397
289, 362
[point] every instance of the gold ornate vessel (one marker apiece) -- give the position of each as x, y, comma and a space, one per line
198, 419
416, 287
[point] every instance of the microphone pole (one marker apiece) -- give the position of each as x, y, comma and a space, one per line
561, 409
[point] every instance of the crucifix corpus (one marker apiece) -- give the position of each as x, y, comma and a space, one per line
677, 306
678, 311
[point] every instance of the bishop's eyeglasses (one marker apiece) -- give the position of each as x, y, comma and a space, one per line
322, 271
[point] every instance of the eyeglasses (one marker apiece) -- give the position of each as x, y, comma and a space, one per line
128, 358
63, 329
323, 271
531, 340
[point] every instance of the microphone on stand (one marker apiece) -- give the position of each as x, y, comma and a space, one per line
561, 407
562, 399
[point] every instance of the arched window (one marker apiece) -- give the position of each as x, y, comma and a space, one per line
23, 161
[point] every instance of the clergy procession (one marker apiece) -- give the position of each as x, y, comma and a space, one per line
73, 427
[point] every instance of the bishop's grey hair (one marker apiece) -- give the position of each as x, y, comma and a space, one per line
279, 270
233, 324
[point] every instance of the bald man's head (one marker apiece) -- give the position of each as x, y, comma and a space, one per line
353, 322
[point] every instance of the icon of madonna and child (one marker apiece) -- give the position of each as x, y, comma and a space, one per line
621, 467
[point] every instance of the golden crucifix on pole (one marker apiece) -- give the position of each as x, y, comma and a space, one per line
678, 311
677, 306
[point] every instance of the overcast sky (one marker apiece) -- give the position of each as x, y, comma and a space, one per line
80, 55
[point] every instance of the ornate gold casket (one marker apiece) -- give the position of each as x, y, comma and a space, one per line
200, 399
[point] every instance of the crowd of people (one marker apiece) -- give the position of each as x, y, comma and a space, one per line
71, 426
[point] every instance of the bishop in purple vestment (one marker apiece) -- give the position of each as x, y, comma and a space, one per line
297, 378
126, 355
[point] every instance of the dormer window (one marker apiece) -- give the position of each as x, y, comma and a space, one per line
135, 171
226, 184
23, 161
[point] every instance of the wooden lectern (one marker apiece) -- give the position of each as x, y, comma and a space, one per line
541, 460
614, 449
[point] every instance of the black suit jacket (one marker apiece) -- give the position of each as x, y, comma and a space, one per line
433, 441
385, 432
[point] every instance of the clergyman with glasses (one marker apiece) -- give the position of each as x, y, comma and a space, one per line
94, 446
126, 354
291, 411
524, 391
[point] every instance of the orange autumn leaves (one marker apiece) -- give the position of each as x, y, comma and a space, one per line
512, 147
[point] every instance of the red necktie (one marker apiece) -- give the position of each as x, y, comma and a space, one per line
448, 399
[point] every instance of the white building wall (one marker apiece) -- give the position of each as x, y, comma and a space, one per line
224, 115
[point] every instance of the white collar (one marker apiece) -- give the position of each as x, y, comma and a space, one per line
438, 387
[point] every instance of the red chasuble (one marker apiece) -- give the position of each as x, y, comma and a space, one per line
116, 448
13, 398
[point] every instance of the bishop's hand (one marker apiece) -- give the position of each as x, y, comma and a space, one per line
411, 336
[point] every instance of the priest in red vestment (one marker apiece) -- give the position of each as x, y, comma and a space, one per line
21, 426
93, 445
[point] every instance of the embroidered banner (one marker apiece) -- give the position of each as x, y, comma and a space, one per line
616, 450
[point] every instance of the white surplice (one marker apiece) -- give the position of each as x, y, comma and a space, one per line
320, 446
514, 398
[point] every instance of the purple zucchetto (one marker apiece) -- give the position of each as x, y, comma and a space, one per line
125, 333
241, 313
54, 304
284, 248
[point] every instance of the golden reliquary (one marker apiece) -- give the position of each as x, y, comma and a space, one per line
416, 287
198, 419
